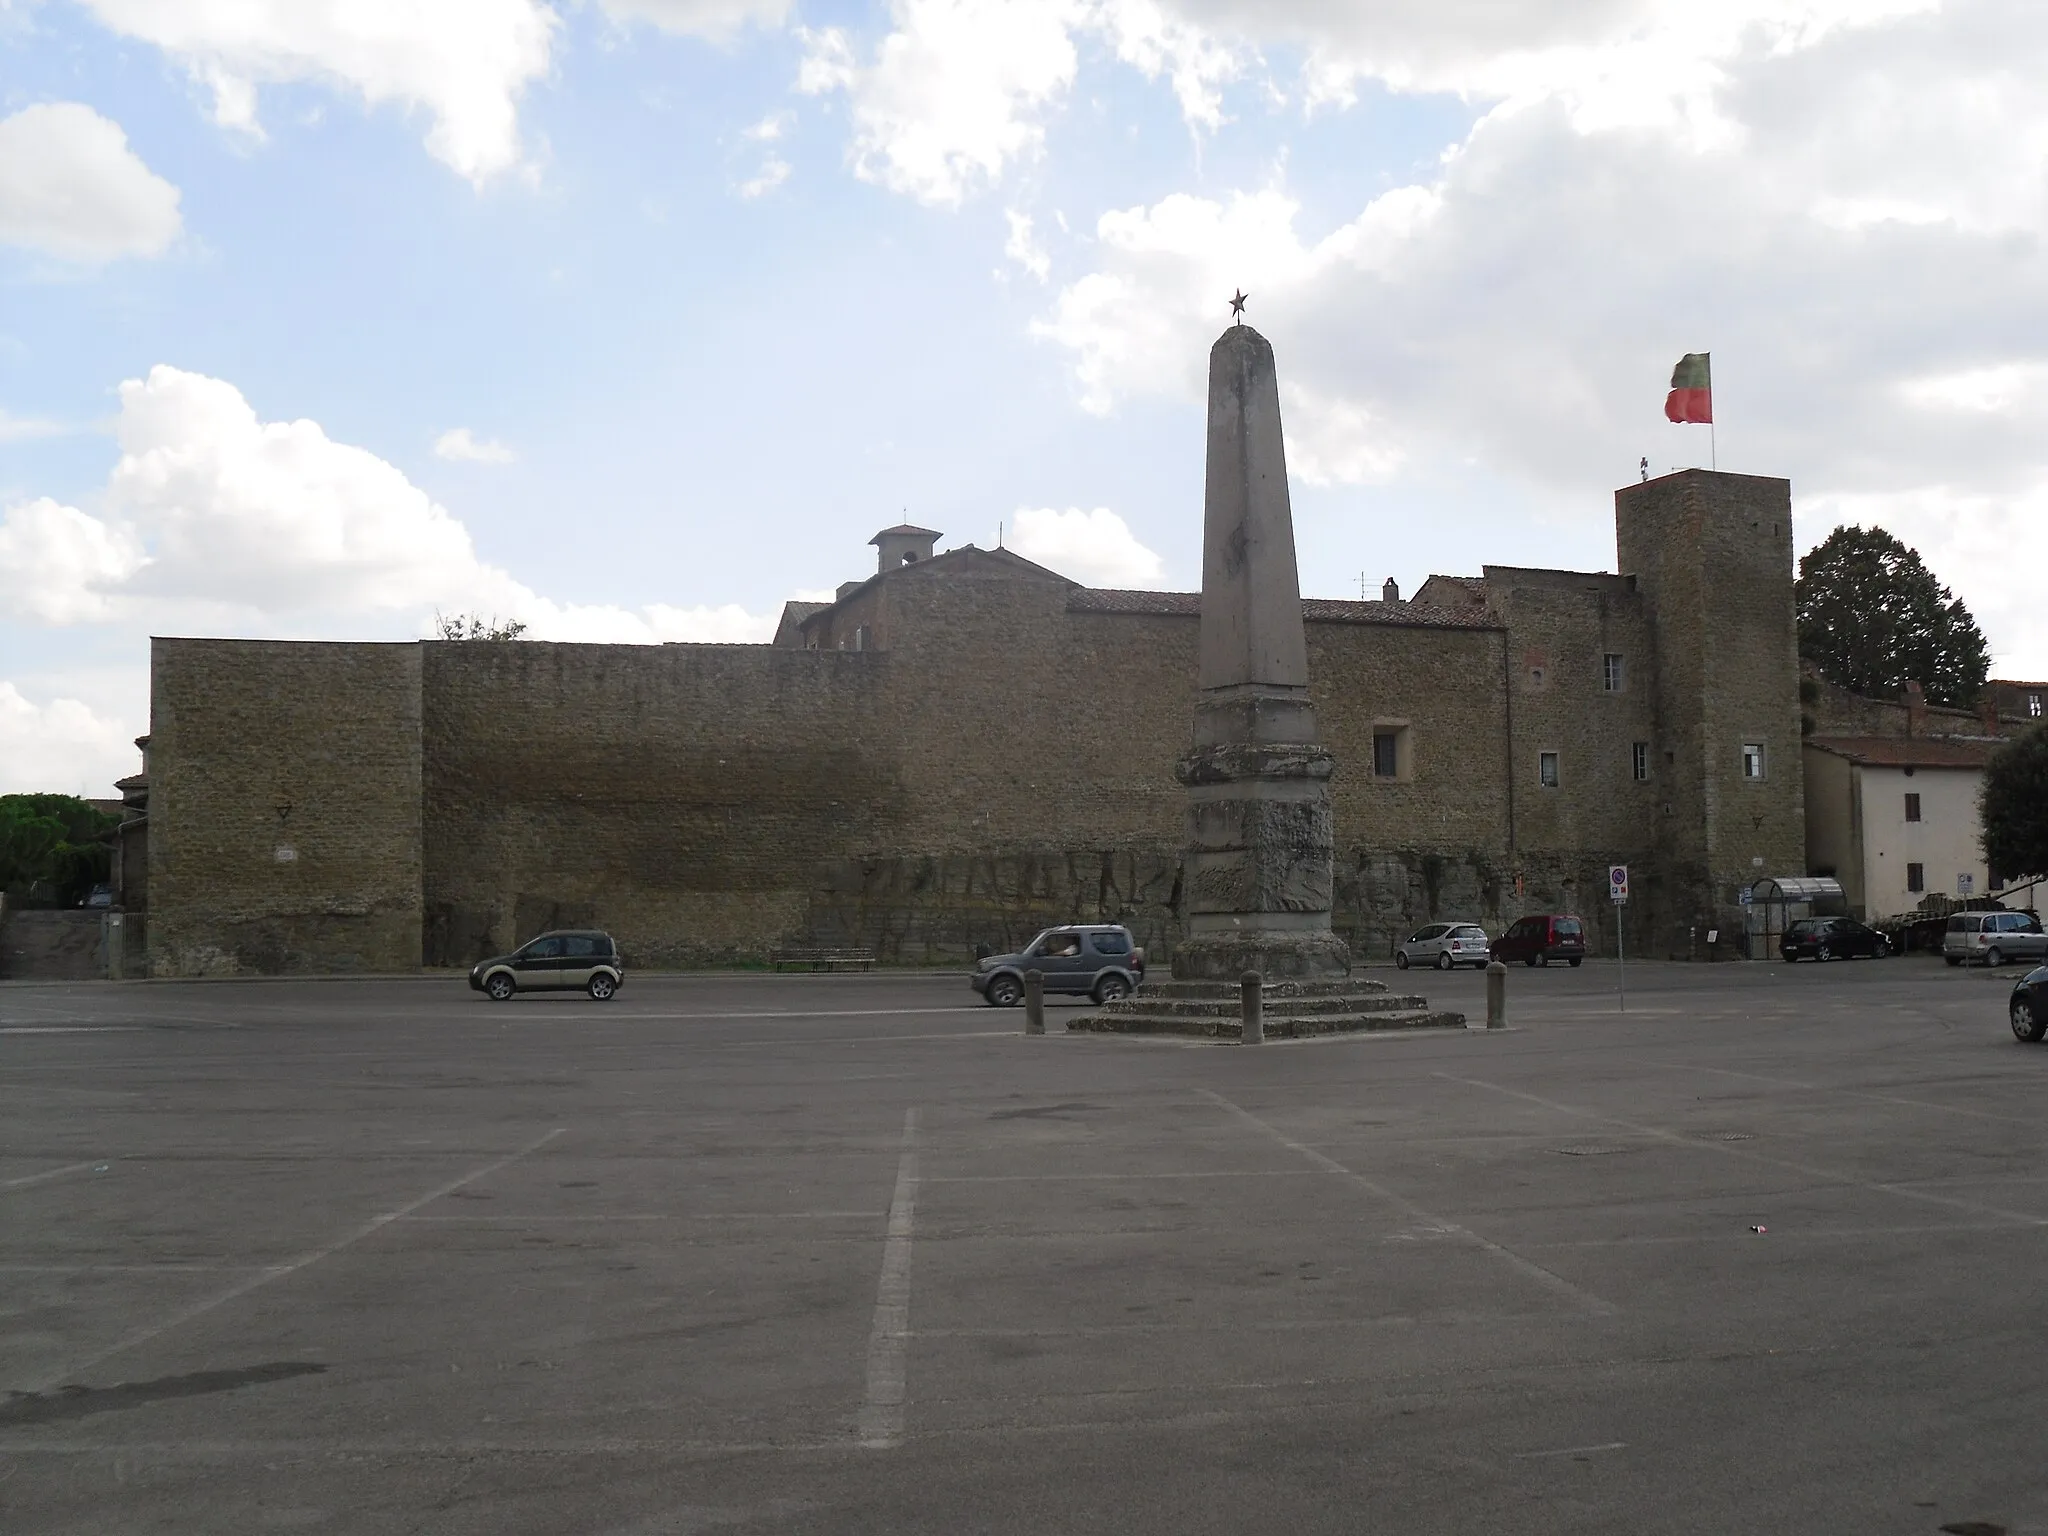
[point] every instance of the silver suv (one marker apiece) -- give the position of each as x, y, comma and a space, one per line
1445, 946
1993, 937
1095, 959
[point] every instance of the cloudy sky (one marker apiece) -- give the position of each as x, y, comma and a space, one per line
633, 318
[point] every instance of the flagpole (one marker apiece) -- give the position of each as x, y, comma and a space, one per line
1713, 449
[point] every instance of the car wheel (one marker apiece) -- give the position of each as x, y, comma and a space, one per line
602, 987
499, 987
1005, 992
1401, 959
1444, 962
1823, 954
1953, 959
1574, 964
1543, 957
1110, 988
1530, 961
1994, 956
2027, 1023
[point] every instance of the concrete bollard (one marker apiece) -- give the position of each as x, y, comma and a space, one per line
1254, 1005
1496, 995
1034, 1002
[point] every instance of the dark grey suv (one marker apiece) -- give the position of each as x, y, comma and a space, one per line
1095, 960
583, 960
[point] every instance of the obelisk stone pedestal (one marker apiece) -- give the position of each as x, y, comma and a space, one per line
1261, 849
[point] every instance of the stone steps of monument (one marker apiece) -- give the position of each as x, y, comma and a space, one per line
1275, 1007
1342, 986
1231, 1027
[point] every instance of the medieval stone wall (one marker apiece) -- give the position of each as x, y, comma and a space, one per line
1004, 761
284, 828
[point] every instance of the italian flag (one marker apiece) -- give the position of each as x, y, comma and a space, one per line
1692, 390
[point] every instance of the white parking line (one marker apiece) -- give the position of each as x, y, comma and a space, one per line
881, 1416
242, 1288
1534, 1271
1805, 1170
54, 1173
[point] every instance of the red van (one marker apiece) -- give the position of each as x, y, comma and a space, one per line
1541, 939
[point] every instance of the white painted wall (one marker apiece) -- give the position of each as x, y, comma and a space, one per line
1944, 839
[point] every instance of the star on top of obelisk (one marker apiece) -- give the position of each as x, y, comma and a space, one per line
1237, 306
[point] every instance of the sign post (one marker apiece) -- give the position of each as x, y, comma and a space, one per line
1617, 892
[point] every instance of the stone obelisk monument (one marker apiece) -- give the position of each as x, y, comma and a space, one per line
1258, 874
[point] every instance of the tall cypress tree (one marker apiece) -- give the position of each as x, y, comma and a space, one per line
1873, 618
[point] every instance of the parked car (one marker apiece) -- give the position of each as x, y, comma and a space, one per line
1540, 939
1832, 938
2028, 1007
580, 959
1097, 960
101, 896
1994, 938
1445, 946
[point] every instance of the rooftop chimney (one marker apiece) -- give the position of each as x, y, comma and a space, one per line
902, 545
1391, 592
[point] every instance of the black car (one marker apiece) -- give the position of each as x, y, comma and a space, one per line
2029, 1005
583, 959
1832, 938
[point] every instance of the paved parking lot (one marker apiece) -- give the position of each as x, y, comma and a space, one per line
746, 1254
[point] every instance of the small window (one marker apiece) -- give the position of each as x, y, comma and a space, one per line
2034, 705
1386, 755
1752, 759
1916, 877
1568, 928
1640, 760
1912, 807
1546, 769
1610, 672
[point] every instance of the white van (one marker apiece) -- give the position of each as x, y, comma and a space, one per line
1994, 938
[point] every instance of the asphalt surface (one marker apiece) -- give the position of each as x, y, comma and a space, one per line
742, 1254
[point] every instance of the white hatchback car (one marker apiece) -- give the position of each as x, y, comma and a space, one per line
1445, 946
1994, 938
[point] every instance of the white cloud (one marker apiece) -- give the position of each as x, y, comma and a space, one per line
20, 429
1093, 547
953, 95
217, 519
719, 20
61, 747
1516, 312
466, 62
60, 566
71, 186
773, 173
1023, 249
462, 446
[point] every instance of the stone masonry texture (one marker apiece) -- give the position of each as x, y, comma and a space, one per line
999, 755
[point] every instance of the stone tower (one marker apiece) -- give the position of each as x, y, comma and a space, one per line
1712, 554
1260, 844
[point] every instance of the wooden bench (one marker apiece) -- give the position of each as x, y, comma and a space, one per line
821, 959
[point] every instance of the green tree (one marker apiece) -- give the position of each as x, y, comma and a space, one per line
1873, 618
470, 626
53, 847
2012, 807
